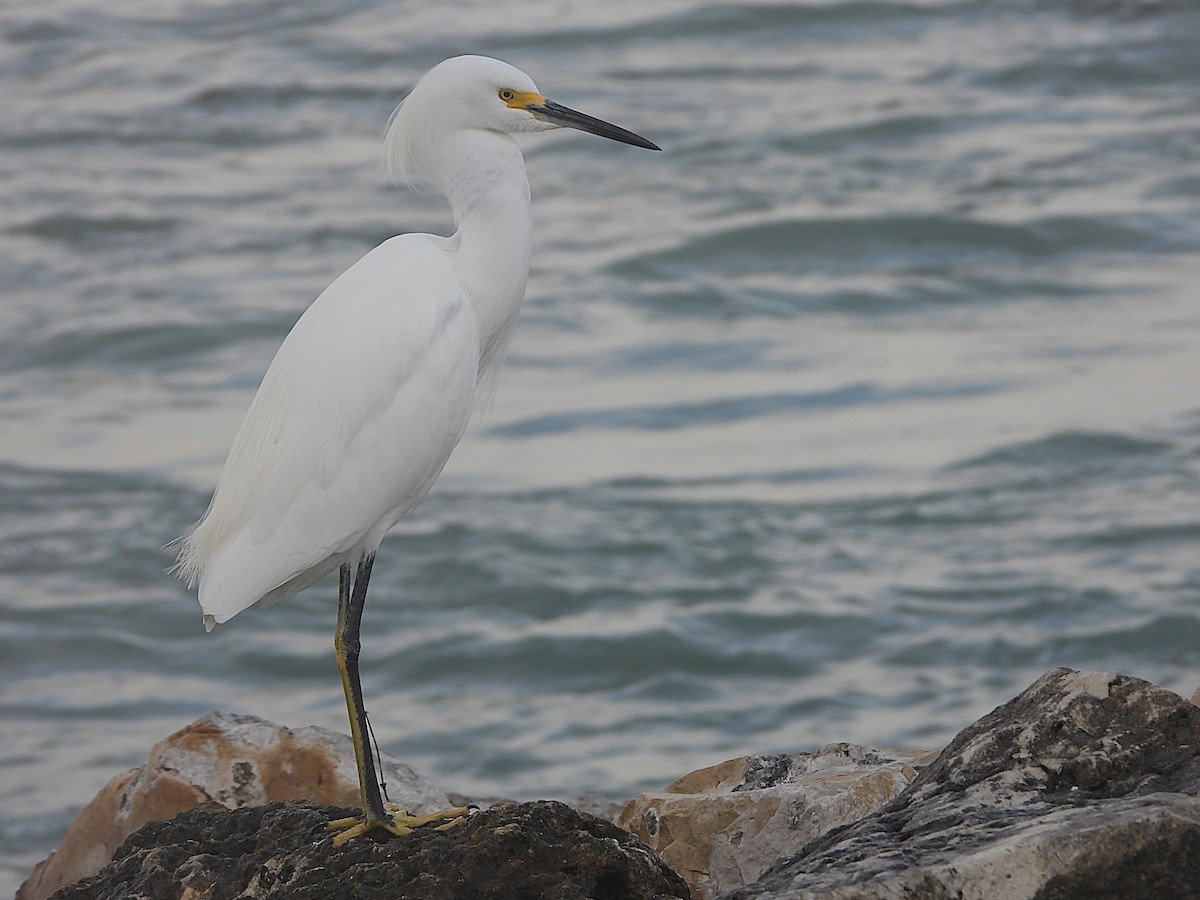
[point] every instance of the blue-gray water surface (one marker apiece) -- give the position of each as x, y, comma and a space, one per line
871, 398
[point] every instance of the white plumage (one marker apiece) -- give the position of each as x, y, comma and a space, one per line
374, 386
354, 420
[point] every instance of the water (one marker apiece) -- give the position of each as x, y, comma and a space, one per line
869, 400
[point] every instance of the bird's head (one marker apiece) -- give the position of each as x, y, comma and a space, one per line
476, 93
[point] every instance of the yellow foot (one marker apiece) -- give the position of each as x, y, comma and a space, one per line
398, 823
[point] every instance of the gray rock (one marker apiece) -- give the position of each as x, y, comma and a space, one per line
1084, 786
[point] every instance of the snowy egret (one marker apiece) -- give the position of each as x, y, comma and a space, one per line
374, 385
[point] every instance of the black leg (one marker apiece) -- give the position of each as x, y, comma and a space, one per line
351, 601
352, 596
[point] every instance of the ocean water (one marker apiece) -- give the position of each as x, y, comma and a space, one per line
872, 397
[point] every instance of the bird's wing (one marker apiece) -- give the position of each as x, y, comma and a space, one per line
357, 414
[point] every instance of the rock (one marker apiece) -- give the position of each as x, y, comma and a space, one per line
600, 807
723, 826
1084, 786
532, 851
220, 760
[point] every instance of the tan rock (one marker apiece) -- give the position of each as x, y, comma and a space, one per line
219, 760
723, 826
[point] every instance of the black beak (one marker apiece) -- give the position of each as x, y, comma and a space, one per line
557, 114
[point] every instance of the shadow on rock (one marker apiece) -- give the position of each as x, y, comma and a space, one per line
509, 852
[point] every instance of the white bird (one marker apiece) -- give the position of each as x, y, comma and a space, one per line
375, 384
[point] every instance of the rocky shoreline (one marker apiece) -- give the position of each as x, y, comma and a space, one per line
1086, 785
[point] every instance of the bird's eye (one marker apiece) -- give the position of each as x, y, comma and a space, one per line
507, 95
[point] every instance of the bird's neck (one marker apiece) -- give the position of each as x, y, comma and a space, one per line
489, 197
